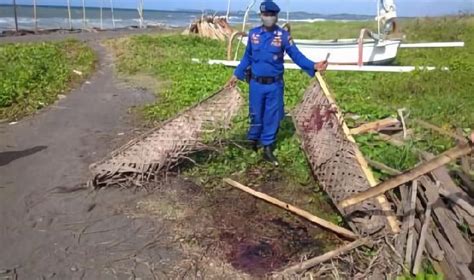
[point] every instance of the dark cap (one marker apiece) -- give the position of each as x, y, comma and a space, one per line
269, 6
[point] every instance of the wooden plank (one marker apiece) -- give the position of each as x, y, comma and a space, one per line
421, 244
458, 200
461, 246
450, 256
381, 199
328, 225
411, 222
374, 126
431, 244
301, 267
410, 175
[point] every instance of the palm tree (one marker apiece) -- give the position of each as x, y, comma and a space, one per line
34, 15
84, 14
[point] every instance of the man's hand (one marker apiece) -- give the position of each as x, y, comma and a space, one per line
321, 66
232, 82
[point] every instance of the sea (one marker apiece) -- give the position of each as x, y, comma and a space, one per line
55, 17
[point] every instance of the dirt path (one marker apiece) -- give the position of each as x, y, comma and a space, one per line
47, 232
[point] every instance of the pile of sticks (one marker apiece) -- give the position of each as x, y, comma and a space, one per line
436, 212
211, 27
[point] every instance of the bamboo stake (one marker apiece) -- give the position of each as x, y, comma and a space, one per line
328, 225
327, 256
112, 11
416, 172
69, 13
34, 15
84, 25
382, 200
382, 167
16, 15
101, 14
377, 125
421, 244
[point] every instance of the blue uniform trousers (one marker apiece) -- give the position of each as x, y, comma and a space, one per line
266, 111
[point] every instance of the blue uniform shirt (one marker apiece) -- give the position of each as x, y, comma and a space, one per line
265, 54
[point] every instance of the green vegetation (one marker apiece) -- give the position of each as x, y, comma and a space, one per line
441, 97
32, 75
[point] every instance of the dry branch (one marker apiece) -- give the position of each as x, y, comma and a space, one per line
329, 255
328, 225
427, 125
416, 172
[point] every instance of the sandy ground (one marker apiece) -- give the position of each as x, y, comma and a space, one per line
48, 232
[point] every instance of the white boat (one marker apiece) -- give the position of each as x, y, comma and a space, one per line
347, 51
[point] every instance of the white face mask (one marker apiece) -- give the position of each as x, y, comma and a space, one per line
269, 21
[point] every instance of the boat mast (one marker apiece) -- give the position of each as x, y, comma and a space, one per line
69, 13
16, 15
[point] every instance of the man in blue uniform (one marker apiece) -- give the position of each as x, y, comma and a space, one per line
264, 57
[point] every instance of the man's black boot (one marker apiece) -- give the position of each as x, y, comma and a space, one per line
268, 156
253, 144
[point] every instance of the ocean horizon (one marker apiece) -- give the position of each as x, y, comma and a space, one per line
56, 17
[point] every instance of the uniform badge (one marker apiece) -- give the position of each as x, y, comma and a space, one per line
276, 41
256, 39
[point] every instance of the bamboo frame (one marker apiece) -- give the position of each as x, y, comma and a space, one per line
392, 220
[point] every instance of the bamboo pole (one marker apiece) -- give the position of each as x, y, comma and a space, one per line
327, 256
228, 10
84, 25
101, 14
112, 11
16, 15
328, 225
377, 125
426, 167
69, 13
35, 16
382, 200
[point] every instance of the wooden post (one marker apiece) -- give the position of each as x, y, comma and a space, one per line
328, 225
112, 10
411, 222
101, 14
16, 15
35, 16
382, 200
228, 10
69, 13
408, 176
84, 25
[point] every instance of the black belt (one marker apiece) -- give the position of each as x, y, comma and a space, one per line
267, 80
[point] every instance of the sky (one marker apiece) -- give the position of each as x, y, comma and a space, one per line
366, 7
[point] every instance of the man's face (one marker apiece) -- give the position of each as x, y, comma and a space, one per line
269, 19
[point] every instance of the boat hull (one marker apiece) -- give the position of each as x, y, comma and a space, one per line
346, 52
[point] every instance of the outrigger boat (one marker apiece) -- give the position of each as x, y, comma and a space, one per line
369, 49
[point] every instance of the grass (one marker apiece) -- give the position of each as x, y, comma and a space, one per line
441, 97
33, 74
